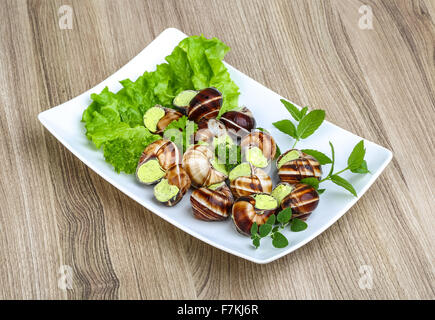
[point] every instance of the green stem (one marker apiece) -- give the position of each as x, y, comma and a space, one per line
295, 143
328, 177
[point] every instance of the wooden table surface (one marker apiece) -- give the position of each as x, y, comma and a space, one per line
378, 83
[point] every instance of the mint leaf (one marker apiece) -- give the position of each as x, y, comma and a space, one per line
278, 152
285, 215
279, 240
320, 191
310, 123
303, 112
362, 169
287, 127
294, 111
356, 157
298, 225
265, 229
254, 229
343, 183
319, 156
271, 220
311, 182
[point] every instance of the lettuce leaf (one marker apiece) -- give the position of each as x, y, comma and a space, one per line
124, 151
114, 121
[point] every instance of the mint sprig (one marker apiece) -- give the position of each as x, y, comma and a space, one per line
355, 164
269, 229
308, 122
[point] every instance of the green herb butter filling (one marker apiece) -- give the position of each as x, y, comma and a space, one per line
216, 186
163, 191
292, 155
219, 166
256, 158
242, 170
152, 117
184, 97
265, 202
150, 172
281, 191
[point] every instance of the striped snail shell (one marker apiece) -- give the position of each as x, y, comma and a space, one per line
201, 165
303, 200
245, 212
157, 118
210, 204
155, 160
177, 176
239, 122
299, 166
205, 105
170, 115
255, 181
261, 141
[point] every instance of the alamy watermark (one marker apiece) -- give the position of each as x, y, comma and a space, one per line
366, 280
65, 281
366, 20
66, 17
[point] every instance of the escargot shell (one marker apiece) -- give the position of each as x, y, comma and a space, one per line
198, 163
257, 182
244, 214
164, 150
303, 200
178, 177
212, 205
170, 115
239, 122
205, 105
161, 154
261, 140
295, 170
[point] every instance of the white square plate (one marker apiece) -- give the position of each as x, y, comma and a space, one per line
64, 123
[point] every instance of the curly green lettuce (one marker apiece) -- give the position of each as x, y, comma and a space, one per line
114, 121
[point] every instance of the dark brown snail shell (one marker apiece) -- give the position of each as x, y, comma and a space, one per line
244, 214
178, 177
164, 151
295, 170
257, 182
208, 129
239, 122
212, 205
303, 200
170, 115
261, 140
205, 105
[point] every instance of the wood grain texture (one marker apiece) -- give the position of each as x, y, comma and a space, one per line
55, 211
